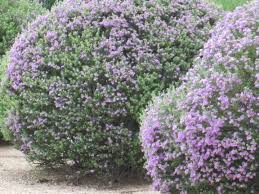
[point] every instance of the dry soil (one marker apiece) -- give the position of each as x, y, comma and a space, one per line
17, 176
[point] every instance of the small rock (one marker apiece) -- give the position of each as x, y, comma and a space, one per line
43, 180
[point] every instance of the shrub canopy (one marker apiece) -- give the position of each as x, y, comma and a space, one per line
83, 72
203, 136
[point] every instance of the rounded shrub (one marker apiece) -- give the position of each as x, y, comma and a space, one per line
203, 136
14, 15
83, 72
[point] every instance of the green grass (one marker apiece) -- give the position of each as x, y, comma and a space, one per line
229, 4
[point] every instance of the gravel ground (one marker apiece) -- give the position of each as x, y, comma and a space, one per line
17, 176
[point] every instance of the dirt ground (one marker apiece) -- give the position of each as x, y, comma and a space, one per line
17, 176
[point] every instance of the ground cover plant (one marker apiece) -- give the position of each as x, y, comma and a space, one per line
82, 73
203, 136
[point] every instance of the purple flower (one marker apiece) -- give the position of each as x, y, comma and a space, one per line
209, 124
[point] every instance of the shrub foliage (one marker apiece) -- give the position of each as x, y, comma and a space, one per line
48, 3
14, 14
84, 71
203, 136
6, 102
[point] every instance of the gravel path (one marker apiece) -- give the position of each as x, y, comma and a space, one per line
17, 176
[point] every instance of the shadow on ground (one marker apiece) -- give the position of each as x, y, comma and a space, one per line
18, 176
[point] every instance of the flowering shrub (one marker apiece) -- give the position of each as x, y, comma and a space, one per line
203, 136
83, 72
14, 14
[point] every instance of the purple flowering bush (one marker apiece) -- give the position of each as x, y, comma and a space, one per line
83, 72
203, 135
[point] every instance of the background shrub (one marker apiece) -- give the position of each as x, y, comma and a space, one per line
203, 136
229, 4
48, 3
6, 102
14, 15
83, 72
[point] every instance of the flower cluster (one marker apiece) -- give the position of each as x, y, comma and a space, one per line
83, 72
203, 135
